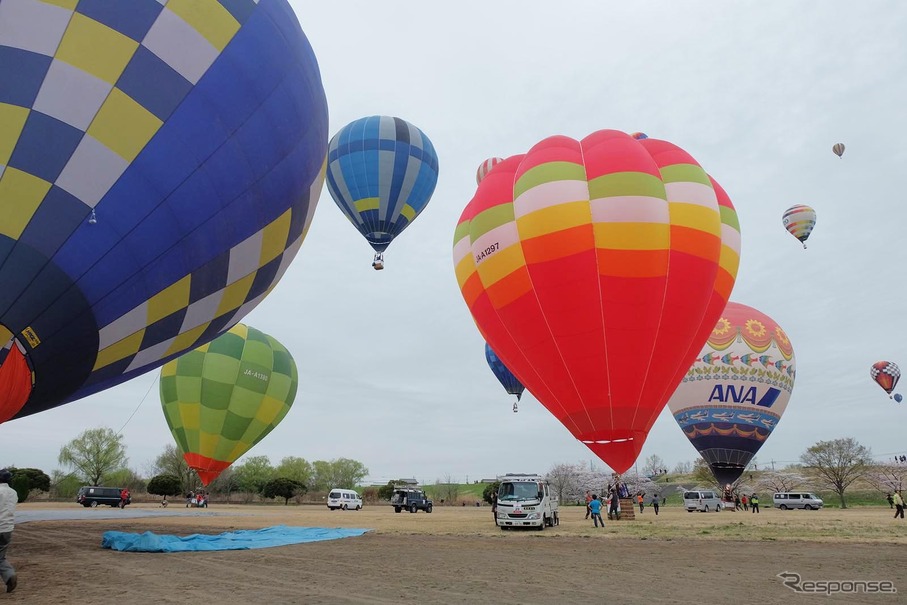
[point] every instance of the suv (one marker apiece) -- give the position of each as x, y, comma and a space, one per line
411, 499
93, 496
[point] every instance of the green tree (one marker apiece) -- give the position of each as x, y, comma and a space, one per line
323, 476
838, 463
172, 462
490, 489
64, 485
93, 454
165, 485
37, 479
298, 469
347, 473
253, 474
125, 477
20, 484
225, 483
282, 487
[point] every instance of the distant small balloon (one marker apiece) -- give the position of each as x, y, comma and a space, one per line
799, 221
886, 374
838, 148
639, 135
485, 167
898, 397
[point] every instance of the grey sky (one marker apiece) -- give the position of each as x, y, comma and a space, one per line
392, 370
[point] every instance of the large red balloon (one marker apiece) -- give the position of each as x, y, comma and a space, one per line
596, 269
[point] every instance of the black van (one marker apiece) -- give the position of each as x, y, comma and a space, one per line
92, 496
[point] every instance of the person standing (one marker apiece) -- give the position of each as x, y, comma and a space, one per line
754, 503
595, 508
588, 500
745, 501
8, 500
614, 506
494, 506
890, 499
639, 500
736, 501
655, 504
898, 505
124, 498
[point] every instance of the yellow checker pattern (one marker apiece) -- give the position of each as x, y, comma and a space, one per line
177, 297
123, 125
20, 195
209, 18
95, 48
12, 120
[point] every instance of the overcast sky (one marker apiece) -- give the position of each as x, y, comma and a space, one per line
391, 367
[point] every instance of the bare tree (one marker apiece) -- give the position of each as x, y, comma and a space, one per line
702, 474
783, 480
838, 463
887, 478
654, 465
683, 468
564, 480
448, 490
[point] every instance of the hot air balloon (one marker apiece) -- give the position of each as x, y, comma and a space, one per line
639, 135
898, 397
222, 398
595, 269
485, 167
381, 173
799, 221
886, 374
728, 410
838, 149
510, 382
161, 165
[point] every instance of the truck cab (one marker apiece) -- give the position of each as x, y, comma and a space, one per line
526, 501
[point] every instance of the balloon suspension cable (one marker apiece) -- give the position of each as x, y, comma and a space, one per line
804, 245
153, 382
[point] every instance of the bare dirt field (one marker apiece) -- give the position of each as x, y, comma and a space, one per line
457, 555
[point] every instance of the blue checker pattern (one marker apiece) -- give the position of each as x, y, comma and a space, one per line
55, 219
153, 84
132, 19
45, 146
21, 75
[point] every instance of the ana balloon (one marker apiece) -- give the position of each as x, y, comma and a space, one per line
886, 374
898, 397
224, 397
799, 221
838, 149
510, 382
592, 268
381, 173
734, 394
485, 167
161, 165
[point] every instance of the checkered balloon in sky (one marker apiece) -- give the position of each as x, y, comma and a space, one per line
160, 163
381, 173
886, 374
224, 397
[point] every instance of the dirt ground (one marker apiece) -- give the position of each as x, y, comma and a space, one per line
457, 555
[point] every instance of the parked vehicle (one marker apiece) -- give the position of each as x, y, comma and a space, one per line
344, 499
410, 498
701, 500
92, 496
804, 500
526, 501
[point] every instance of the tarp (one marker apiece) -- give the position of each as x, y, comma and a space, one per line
243, 539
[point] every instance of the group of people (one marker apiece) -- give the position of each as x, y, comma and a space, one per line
199, 500
746, 503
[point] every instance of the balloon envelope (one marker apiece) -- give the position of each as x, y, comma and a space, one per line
381, 173
734, 394
590, 268
510, 382
799, 221
898, 397
838, 149
224, 397
161, 165
485, 167
886, 374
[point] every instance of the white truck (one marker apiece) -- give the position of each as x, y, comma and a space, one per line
526, 501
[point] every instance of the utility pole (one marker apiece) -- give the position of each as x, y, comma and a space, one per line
773, 465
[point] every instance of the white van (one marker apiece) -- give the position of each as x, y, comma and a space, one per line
702, 500
804, 500
344, 499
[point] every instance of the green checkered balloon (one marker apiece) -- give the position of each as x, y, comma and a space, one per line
224, 397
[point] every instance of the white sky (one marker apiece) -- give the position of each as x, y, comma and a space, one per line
392, 369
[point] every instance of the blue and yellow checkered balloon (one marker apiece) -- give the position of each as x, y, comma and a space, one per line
160, 163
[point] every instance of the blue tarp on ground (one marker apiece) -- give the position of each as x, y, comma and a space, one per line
243, 539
